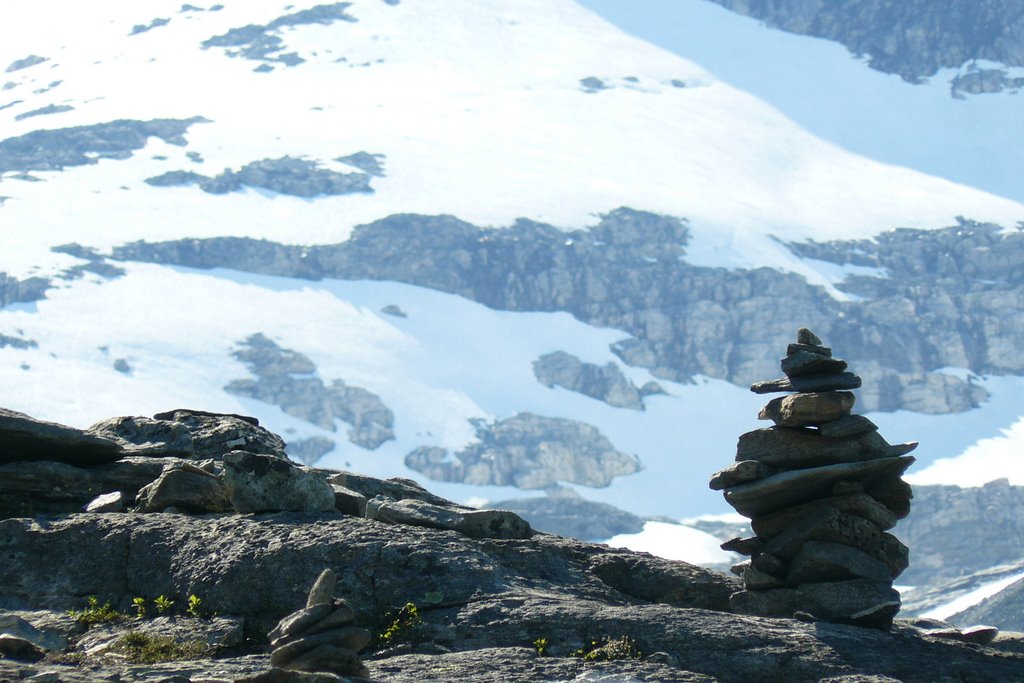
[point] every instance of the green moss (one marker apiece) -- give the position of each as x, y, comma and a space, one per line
541, 646
144, 648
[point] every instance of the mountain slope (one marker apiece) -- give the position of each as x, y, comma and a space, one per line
422, 216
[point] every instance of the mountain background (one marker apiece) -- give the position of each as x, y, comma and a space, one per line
533, 253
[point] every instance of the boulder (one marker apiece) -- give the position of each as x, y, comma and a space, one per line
186, 486
108, 502
266, 483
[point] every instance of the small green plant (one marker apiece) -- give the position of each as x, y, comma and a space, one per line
541, 646
163, 604
194, 608
95, 613
146, 649
139, 605
402, 626
607, 649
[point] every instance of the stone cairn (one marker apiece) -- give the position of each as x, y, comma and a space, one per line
321, 636
821, 488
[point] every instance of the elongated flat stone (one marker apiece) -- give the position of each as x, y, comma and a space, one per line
297, 622
857, 504
769, 564
849, 425
824, 561
793, 349
803, 363
799, 486
860, 601
740, 473
744, 546
350, 638
843, 380
755, 579
794, 447
805, 409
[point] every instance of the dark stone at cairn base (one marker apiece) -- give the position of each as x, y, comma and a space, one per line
860, 602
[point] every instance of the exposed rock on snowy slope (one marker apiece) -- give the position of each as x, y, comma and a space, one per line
913, 38
288, 379
494, 597
629, 272
605, 383
529, 452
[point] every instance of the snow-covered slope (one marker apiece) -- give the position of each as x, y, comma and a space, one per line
486, 110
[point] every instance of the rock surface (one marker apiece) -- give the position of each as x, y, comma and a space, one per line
606, 383
629, 272
25, 438
529, 452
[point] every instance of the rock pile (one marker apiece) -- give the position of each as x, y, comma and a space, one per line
320, 637
821, 487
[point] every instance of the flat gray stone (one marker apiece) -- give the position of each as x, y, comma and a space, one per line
26, 438
349, 637
266, 483
857, 504
860, 602
337, 660
349, 502
474, 523
850, 425
843, 380
799, 486
805, 409
893, 493
823, 561
805, 362
740, 473
297, 622
755, 579
797, 447
16, 647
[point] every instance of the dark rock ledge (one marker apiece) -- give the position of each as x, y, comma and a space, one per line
236, 524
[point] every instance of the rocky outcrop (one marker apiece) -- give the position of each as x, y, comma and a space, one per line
263, 42
53, 150
913, 38
287, 379
606, 383
16, 291
629, 272
959, 531
529, 452
821, 489
566, 513
25, 438
287, 175
489, 600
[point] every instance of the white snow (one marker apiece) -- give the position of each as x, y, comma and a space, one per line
486, 134
976, 141
674, 542
971, 599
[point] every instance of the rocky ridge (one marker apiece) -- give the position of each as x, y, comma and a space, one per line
495, 599
629, 272
914, 38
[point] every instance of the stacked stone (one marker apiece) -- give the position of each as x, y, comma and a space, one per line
321, 636
822, 488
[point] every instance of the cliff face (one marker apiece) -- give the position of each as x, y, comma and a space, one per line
943, 298
914, 38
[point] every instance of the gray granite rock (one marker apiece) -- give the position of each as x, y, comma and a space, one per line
108, 502
185, 486
803, 362
804, 409
474, 523
818, 561
857, 504
264, 483
26, 438
606, 383
741, 472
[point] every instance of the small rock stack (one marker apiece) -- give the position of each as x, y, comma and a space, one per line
821, 487
320, 637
